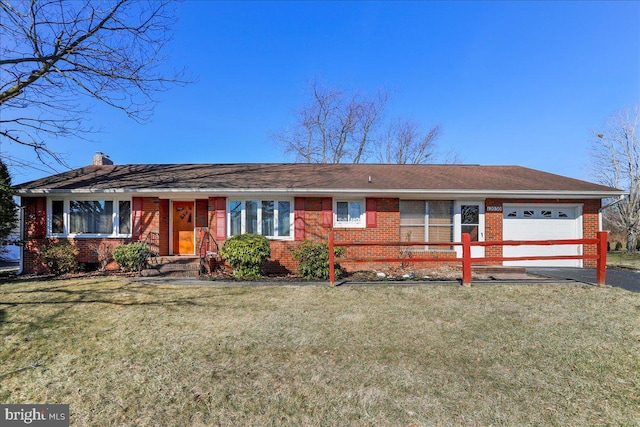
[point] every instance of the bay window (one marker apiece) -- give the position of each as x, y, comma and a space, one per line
269, 218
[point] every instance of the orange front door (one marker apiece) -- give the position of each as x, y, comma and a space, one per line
183, 236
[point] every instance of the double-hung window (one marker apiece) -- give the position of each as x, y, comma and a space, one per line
89, 217
349, 213
269, 218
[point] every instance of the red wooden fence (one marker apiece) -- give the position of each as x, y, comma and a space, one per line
600, 242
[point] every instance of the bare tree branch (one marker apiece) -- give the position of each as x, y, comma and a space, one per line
334, 127
615, 158
54, 52
404, 143
371, 114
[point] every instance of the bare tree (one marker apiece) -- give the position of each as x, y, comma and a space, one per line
333, 127
405, 143
54, 52
370, 115
616, 163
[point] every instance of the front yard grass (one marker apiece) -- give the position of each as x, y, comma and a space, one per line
124, 353
622, 259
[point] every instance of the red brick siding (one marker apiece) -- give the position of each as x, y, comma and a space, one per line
87, 252
590, 227
145, 215
35, 231
152, 214
87, 249
387, 229
493, 227
152, 217
136, 217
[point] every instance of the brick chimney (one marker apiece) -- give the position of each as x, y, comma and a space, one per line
100, 159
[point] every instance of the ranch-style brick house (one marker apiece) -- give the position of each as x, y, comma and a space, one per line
288, 203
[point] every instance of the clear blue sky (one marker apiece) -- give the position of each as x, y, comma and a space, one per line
510, 83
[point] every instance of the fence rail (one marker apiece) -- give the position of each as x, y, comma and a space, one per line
600, 242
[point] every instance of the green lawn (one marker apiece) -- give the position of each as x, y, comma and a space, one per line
129, 354
622, 259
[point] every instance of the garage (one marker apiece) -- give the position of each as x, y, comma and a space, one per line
542, 222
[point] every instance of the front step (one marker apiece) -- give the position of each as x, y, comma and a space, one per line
173, 266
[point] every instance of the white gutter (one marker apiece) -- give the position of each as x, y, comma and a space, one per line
615, 202
359, 191
21, 234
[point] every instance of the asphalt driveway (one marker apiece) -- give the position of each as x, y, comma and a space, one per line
618, 277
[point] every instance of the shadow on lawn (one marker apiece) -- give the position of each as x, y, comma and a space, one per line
39, 307
60, 298
127, 294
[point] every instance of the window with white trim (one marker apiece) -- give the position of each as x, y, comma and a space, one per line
89, 217
349, 213
269, 218
426, 221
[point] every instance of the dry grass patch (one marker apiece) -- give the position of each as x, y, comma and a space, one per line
623, 259
125, 353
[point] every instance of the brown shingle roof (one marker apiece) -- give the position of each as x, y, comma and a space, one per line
319, 177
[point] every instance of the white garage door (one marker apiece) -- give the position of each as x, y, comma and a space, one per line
542, 222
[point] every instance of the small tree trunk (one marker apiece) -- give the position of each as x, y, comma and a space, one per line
632, 241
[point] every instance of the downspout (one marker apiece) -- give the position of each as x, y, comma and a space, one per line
21, 244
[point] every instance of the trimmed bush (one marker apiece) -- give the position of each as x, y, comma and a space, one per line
314, 260
60, 258
132, 256
246, 253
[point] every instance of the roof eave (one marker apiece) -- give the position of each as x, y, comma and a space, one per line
456, 193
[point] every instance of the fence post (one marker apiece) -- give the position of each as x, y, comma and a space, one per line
466, 259
332, 273
601, 271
